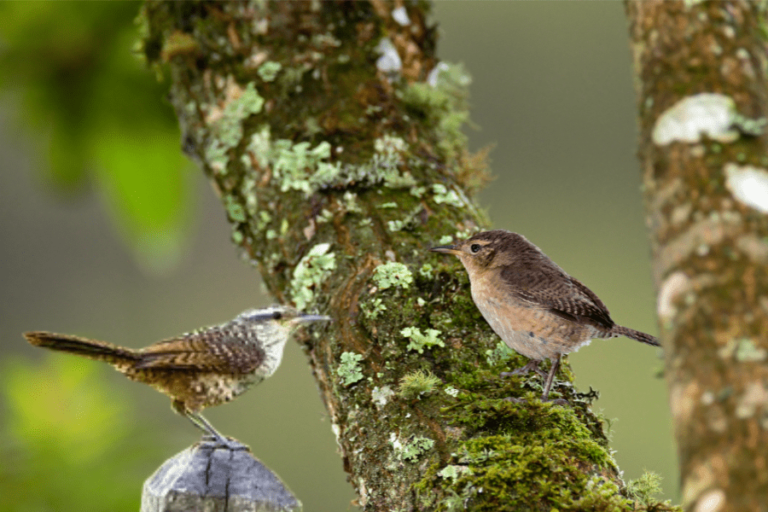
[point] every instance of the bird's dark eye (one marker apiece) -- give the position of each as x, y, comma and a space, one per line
474, 248
277, 315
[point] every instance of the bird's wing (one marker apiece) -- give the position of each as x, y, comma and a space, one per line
558, 293
208, 351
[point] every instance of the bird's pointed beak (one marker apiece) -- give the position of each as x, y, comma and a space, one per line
445, 249
305, 319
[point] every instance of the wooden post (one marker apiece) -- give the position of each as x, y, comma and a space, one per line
214, 478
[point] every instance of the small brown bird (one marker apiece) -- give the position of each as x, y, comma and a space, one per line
532, 304
196, 370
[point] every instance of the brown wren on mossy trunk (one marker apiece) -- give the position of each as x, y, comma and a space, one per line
202, 368
532, 304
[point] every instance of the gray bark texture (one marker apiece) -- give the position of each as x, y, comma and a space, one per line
701, 84
216, 479
332, 136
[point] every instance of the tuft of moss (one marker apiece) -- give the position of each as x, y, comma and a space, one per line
645, 488
415, 385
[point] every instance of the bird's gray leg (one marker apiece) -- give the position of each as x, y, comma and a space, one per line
200, 422
550, 380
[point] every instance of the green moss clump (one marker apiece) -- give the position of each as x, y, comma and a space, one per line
415, 385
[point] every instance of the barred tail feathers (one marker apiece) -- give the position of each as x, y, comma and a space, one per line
636, 335
92, 349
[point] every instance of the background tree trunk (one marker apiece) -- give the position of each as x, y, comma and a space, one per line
333, 138
701, 83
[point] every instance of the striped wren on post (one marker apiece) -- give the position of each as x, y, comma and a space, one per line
206, 367
531, 303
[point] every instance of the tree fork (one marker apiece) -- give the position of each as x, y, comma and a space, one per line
333, 138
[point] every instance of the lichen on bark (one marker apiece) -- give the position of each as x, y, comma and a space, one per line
339, 164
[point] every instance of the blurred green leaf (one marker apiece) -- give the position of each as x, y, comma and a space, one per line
99, 111
67, 440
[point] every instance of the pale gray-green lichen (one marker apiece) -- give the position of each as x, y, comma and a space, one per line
453, 471
374, 308
445, 196
410, 451
234, 209
499, 354
226, 124
349, 369
748, 352
420, 341
392, 274
268, 71
310, 273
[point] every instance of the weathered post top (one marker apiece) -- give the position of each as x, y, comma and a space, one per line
215, 478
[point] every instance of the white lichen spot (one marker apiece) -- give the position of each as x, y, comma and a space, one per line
389, 61
445, 240
748, 352
673, 287
434, 76
392, 274
748, 184
310, 273
711, 114
754, 396
380, 396
452, 391
711, 501
400, 15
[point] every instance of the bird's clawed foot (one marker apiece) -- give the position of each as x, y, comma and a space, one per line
525, 370
214, 442
554, 401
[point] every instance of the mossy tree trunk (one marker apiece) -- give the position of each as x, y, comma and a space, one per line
702, 99
333, 138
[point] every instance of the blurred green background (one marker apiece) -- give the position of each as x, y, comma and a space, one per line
107, 231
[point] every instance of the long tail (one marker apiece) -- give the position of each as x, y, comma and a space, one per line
636, 335
92, 349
